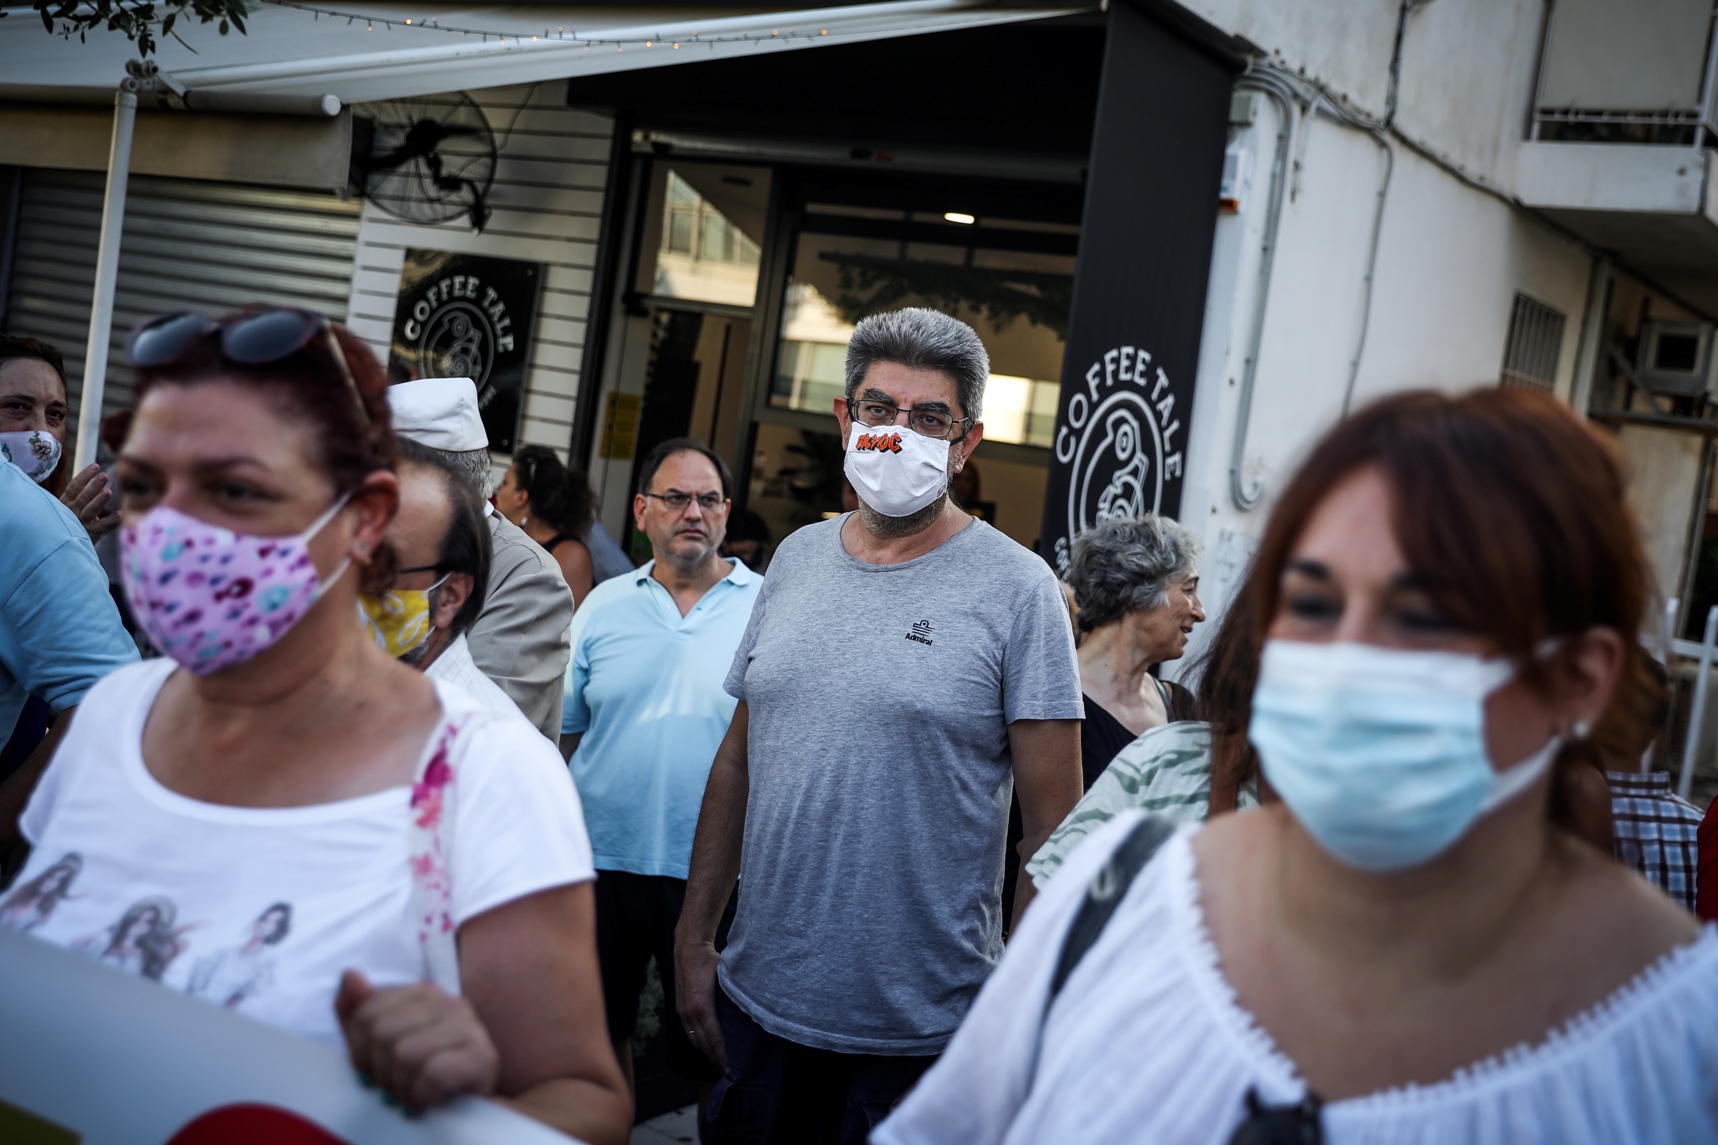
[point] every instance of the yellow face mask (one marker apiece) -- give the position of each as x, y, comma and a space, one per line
398, 620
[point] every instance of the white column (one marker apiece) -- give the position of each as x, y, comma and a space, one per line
106, 275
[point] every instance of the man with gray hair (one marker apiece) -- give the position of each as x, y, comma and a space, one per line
906, 667
520, 638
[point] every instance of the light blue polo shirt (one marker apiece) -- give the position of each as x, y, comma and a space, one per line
59, 629
644, 689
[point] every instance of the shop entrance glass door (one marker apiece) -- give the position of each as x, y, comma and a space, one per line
690, 313
1009, 277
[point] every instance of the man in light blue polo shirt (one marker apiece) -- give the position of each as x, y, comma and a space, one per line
643, 713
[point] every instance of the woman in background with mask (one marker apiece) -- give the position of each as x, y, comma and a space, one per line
1410, 946
432, 856
33, 416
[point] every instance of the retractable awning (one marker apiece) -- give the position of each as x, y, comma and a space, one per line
313, 57
357, 52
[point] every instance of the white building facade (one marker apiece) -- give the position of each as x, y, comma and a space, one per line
1402, 250
1445, 193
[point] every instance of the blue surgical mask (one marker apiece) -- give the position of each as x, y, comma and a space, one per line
1380, 752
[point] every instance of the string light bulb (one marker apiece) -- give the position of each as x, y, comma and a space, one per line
561, 33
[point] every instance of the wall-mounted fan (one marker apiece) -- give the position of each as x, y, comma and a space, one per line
428, 159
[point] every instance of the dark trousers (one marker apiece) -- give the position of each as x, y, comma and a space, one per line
778, 1092
636, 916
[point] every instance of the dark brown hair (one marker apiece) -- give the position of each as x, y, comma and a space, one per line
1227, 671
13, 349
559, 493
307, 385
663, 451
1511, 512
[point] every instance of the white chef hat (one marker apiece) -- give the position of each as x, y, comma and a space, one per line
441, 413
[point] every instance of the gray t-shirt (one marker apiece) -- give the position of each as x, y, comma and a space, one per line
880, 777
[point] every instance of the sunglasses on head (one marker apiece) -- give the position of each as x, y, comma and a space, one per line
253, 338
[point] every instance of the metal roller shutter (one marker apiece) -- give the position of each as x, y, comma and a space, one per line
187, 245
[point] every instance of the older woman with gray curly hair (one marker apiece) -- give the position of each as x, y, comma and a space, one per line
1136, 590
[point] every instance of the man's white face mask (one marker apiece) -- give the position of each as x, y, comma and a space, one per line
894, 470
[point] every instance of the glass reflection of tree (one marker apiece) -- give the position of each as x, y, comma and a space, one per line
869, 284
816, 481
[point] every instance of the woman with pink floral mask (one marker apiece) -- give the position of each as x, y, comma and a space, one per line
433, 858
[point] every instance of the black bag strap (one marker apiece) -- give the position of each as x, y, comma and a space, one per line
1105, 892
1297, 1124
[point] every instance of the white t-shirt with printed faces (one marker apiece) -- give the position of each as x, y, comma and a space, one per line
262, 909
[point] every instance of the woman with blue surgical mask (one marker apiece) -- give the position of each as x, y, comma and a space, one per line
1409, 944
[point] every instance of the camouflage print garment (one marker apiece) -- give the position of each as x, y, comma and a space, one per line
1167, 770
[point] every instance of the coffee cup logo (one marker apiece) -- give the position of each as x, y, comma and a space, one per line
468, 316
1117, 442
458, 326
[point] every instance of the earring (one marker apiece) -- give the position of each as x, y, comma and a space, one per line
1580, 730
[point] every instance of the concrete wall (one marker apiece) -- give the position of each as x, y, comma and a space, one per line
1450, 259
1468, 66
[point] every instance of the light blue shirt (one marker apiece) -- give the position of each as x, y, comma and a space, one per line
644, 689
59, 629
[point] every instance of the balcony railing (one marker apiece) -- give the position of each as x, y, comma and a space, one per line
1645, 71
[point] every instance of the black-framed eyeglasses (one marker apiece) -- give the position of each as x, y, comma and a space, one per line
680, 502
418, 569
922, 420
251, 338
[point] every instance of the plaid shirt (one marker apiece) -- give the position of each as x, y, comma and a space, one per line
1656, 832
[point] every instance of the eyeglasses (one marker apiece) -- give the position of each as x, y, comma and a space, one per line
253, 338
925, 422
680, 502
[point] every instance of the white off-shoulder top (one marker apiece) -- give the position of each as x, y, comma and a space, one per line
1147, 1043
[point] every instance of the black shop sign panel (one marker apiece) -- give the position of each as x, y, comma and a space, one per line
1139, 292
1118, 445
464, 316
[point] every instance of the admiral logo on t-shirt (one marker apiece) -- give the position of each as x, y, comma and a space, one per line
921, 632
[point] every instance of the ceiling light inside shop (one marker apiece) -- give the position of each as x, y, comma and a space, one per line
964, 220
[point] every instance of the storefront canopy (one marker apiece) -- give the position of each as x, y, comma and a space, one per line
362, 52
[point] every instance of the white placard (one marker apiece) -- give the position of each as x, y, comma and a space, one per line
116, 1060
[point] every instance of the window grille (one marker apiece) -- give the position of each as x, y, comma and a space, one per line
1535, 341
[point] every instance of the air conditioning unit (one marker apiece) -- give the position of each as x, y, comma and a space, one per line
1676, 358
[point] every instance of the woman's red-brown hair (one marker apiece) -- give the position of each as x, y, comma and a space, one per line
1509, 509
307, 385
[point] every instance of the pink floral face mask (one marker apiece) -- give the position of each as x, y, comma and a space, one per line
211, 598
